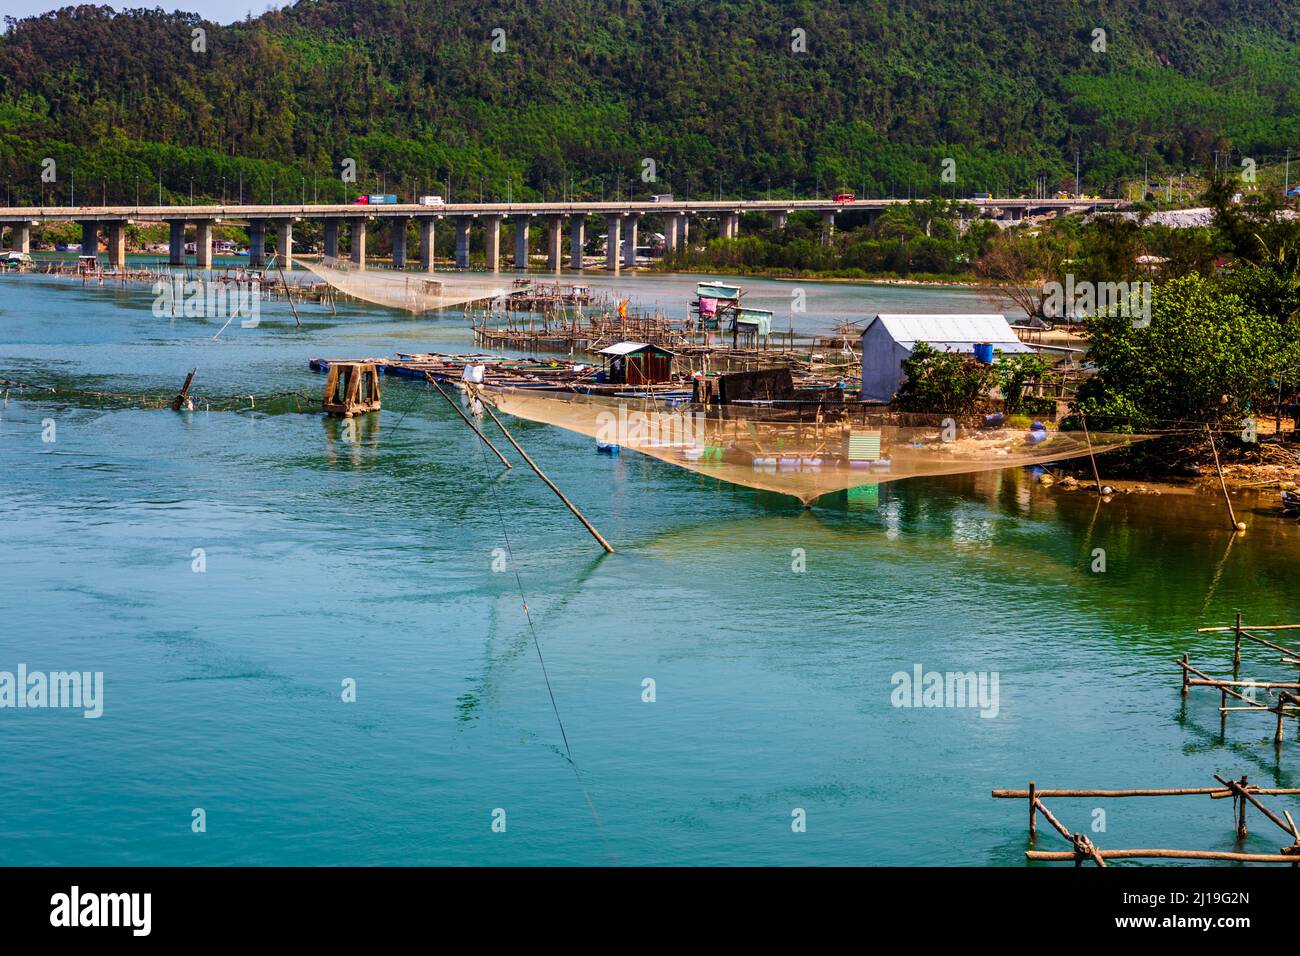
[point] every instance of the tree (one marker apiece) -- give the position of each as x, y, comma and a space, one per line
1206, 356
947, 382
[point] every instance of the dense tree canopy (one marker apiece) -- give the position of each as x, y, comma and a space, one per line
578, 94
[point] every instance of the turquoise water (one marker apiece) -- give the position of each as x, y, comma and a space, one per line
372, 559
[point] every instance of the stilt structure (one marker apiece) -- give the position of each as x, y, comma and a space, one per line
351, 388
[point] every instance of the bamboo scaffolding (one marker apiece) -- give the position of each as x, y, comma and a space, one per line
1083, 849
1052, 856
1287, 700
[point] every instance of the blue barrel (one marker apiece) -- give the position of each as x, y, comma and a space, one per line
984, 352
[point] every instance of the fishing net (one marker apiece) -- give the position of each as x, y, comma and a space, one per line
409, 291
269, 403
801, 449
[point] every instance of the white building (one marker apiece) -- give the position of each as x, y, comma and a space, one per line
889, 339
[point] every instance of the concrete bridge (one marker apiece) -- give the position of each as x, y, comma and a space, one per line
622, 220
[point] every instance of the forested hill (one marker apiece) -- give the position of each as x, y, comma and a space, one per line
585, 90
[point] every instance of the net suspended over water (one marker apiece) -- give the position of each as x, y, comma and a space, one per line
409, 291
805, 450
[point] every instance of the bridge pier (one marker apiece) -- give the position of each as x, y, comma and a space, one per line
117, 244
284, 244
203, 244
554, 243
613, 242
331, 238
828, 227
20, 237
399, 242
780, 219
492, 242
670, 234
683, 231
176, 242
730, 225
577, 239
257, 243
521, 242
426, 243
90, 238
462, 242
629, 242
358, 240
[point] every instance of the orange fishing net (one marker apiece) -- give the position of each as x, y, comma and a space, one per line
801, 449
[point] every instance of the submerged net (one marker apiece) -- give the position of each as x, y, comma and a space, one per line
408, 291
803, 450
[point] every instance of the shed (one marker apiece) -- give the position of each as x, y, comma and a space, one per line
889, 339
636, 363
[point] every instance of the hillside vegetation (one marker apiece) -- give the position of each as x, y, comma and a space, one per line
585, 90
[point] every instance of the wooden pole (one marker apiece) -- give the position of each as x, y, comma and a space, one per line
1243, 791
180, 399
1186, 792
280, 266
1253, 627
1083, 420
1065, 856
1057, 824
1188, 667
459, 411
1033, 807
550, 484
1236, 655
1232, 516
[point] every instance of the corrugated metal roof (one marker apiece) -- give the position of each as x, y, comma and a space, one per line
952, 332
623, 348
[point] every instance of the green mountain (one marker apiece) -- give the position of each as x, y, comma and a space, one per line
547, 98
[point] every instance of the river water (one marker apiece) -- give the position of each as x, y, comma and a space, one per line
326, 558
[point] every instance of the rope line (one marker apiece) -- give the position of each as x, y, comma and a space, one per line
532, 629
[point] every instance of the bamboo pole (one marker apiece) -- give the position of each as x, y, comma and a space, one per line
1223, 485
1064, 856
1033, 806
1188, 667
1047, 814
1083, 420
1270, 685
1253, 627
287, 294
1260, 640
550, 484
184, 394
1185, 792
1236, 654
459, 411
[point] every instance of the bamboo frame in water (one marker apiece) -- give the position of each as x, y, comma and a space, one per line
1084, 849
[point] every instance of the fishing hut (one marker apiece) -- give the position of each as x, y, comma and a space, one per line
751, 328
637, 363
351, 388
